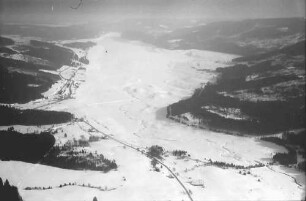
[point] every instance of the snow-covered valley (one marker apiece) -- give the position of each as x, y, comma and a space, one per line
127, 87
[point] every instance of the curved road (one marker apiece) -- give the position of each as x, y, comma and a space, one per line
140, 151
68, 84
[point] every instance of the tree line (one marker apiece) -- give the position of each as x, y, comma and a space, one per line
292, 142
12, 116
24, 147
39, 148
8, 192
67, 158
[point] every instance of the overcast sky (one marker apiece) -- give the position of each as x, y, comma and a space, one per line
59, 10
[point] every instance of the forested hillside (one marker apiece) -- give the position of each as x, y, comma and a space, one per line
259, 94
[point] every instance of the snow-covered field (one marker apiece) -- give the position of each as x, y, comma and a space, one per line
127, 86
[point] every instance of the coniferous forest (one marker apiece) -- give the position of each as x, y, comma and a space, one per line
8, 192
13, 116
24, 147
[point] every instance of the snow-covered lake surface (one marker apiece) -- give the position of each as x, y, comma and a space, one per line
127, 86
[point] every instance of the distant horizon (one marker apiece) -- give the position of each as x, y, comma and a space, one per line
60, 12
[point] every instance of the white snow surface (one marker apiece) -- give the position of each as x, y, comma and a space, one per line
127, 86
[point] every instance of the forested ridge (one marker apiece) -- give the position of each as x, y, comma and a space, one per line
268, 94
14, 116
